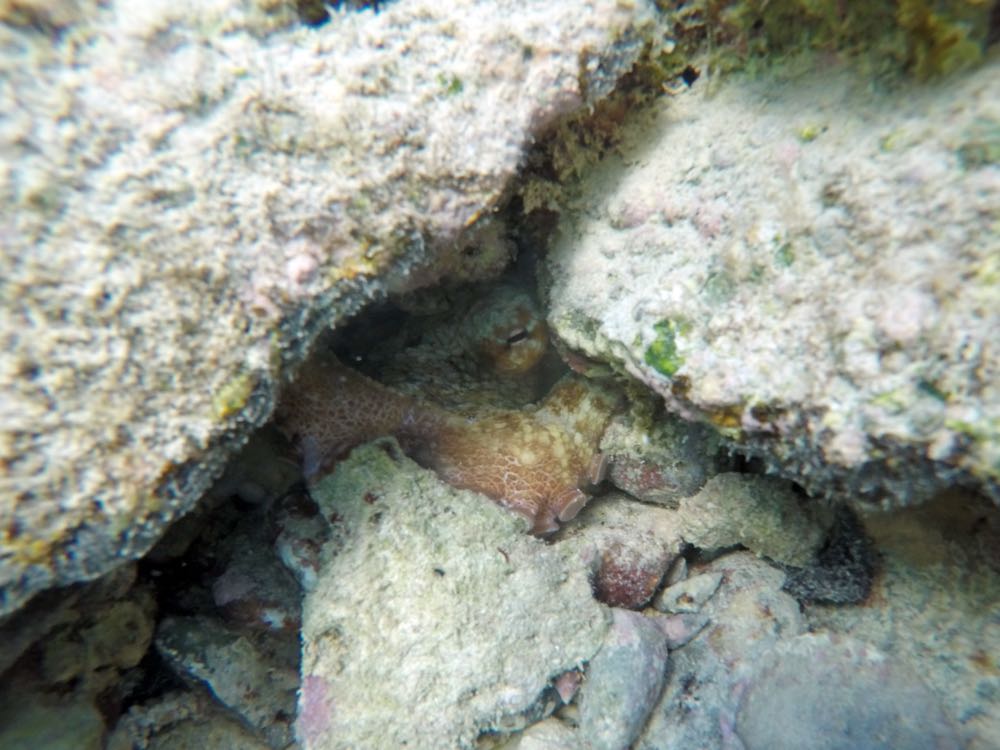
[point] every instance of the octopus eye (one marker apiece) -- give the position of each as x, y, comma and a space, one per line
519, 335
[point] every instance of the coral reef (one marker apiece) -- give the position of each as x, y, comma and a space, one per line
785, 272
815, 278
921, 38
190, 192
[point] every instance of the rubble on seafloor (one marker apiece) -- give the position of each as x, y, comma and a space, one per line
379, 606
778, 287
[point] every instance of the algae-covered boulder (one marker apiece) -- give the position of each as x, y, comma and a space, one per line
191, 190
810, 264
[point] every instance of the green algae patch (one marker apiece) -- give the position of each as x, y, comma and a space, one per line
784, 256
452, 85
662, 354
810, 132
941, 37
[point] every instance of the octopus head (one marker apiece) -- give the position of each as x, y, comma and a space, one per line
512, 337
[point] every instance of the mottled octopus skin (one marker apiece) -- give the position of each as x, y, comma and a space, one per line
532, 462
487, 349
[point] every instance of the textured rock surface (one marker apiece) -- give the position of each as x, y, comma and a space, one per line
435, 616
631, 545
250, 682
748, 616
623, 682
31, 718
69, 657
933, 608
190, 191
862, 699
660, 459
811, 266
180, 721
764, 514
550, 734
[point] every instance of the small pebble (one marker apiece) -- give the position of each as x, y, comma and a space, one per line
623, 682
677, 572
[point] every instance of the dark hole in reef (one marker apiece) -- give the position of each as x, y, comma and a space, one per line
312, 12
156, 679
744, 464
993, 30
690, 74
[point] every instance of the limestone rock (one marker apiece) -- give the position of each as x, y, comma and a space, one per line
764, 514
836, 693
248, 680
748, 616
932, 609
809, 264
631, 544
190, 191
435, 616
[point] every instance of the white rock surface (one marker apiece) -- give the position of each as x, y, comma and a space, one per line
435, 616
812, 266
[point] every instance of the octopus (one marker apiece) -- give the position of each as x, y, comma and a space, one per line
535, 460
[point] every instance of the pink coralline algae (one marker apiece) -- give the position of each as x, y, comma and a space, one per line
533, 461
315, 708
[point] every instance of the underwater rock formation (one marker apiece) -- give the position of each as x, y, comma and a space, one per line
435, 617
809, 265
191, 191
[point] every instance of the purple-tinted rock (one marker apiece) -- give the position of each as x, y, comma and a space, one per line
634, 545
256, 591
835, 693
680, 629
624, 681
